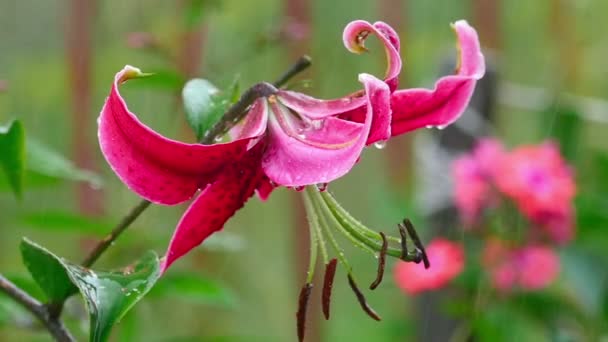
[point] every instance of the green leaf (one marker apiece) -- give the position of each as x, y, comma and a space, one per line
110, 295
12, 157
47, 270
65, 222
45, 161
205, 104
194, 288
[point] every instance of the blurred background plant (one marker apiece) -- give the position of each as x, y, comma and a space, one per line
547, 82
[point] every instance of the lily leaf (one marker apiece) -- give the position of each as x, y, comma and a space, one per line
12, 158
65, 222
45, 161
47, 270
205, 104
110, 295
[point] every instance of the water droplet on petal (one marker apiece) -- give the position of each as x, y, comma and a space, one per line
299, 188
322, 187
380, 144
442, 126
218, 139
429, 126
317, 124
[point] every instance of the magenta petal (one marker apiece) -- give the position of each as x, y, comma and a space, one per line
216, 204
416, 108
298, 155
255, 122
161, 170
314, 108
354, 37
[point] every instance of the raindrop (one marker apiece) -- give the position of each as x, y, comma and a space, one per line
380, 144
429, 126
316, 124
442, 126
218, 139
322, 187
299, 188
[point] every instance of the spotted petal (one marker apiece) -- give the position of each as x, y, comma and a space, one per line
216, 204
417, 108
159, 169
301, 154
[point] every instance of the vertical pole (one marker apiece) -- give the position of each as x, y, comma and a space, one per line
189, 54
78, 36
399, 151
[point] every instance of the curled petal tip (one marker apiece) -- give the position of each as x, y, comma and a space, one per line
130, 72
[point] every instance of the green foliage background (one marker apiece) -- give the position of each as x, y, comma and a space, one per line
245, 286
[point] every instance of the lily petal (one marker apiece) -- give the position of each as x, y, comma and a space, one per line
299, 156
314, 108
216, 204
254, 123
417, 108
159, 169
355, 34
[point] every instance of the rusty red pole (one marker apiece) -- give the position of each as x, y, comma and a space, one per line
79, 25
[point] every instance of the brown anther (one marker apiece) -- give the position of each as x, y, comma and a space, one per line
328, 283
381, 263
302, 306
414, 235
361, 298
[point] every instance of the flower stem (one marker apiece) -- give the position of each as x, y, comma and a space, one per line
313, 223
52, 324
323, 223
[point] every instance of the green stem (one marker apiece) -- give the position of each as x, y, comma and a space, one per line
332, 240
313, 222
345, 216
357, 239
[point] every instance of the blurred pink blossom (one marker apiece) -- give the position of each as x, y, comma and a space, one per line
473, 175
542, 185
535, 177
447, 261
528, 268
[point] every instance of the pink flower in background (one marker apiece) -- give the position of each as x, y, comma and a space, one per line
531, 267
535, 178
540, 182
287, 138
447, 261
473, 175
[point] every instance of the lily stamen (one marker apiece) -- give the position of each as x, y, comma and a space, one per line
328, 282
381, 263
361, 298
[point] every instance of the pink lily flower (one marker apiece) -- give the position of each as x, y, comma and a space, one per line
286, 139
